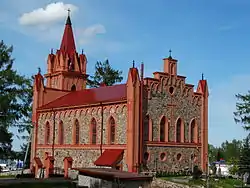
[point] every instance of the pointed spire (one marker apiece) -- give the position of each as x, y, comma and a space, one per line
68, 42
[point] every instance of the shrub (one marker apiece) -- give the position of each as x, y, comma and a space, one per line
197, 172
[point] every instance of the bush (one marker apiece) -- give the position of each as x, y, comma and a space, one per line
197, 172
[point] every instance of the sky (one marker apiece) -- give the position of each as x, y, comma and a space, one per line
210, 37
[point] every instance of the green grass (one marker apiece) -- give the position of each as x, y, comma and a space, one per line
223, 183
7, 176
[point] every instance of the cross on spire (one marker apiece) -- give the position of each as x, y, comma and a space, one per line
39, 70
133, 63
170, 53
68, 11
202, 76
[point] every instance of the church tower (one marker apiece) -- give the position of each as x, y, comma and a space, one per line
66, 70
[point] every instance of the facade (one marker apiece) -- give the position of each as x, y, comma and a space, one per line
160, 122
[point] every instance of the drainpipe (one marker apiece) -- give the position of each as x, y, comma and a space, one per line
53, 141
141, 118
101, 127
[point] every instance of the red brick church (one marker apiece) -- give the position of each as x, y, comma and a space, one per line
160, 122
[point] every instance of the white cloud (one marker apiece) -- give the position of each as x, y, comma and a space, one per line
52, 13
87, 34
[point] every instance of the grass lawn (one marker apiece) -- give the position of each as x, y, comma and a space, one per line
7, 176
223, 183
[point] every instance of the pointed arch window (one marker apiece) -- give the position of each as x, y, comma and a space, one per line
178, 130
60, 133
93, 131
73, 87
112, 130
162, 129
77, 132
193, 135
47, 133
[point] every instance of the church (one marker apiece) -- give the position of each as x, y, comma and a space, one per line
158, 123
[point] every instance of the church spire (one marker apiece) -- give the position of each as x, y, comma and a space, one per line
68, 41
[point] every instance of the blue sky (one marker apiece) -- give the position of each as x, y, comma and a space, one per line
205, 36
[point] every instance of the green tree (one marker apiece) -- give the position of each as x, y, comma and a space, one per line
14, 98
212, 151
234, 162
104, 74
244, 161
231, 150
242, 114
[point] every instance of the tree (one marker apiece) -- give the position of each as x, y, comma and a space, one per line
212, 152
244, 161
14, 98
104, 74
242, 114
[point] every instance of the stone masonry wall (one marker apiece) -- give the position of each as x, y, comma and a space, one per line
82, 157
84, 116
171, 163
181, 103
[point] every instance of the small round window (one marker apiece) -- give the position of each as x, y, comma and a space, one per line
163, 156
171, 90
146, 156
178, 157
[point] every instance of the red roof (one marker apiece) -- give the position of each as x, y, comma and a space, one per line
90, 96
109, 157
68, 42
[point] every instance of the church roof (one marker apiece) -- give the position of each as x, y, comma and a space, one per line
89, 96
68, 41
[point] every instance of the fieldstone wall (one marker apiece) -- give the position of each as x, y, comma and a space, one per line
82, 158
172, 98
84, 116
171, 163
180, 104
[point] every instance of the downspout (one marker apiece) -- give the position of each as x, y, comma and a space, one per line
141, 118
53, 141
101, 127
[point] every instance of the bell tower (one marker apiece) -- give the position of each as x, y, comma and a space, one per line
66, 69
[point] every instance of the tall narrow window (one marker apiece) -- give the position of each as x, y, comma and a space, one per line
112, 130
162, 129
60, 133
93, 131
178, 130
47, 133
77, 132
193, 131
146, 128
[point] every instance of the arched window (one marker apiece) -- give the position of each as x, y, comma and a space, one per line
193, 131
112, 130
146, 128
47, 133
93, 131
162, 129
60, 133
178, 130
73, 88
77, 132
